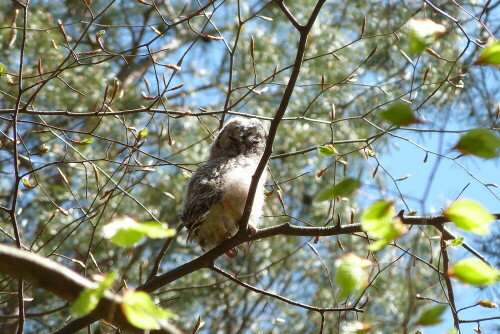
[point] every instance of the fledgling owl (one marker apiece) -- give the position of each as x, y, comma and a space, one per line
217, 191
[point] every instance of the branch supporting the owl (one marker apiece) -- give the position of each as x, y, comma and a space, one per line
207, 260
283, 299
304, 231
304, 32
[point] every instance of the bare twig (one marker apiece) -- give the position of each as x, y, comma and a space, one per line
283, 299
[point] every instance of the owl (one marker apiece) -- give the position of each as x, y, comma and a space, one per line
217, 191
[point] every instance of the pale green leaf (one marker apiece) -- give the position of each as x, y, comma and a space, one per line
470, 216
490, 54
142, 312
399, 114
143, 133
126, 237
352, 274
474, 271
327, 150
455, 242
86, 302
125, 231
343, 188
89, 298
479, 142
379, 221
423, 32
2, 70
154, 230
432, 316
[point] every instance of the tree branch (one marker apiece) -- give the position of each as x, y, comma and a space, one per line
283, 299
304, 32
289, 15
207, 260
447, 279
65, 283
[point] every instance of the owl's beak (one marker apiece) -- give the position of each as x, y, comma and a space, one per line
251, 139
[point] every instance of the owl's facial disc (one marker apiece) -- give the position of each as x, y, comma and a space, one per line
254, 138
240, 136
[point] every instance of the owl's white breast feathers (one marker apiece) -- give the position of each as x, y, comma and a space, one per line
217, 192
222, 222
236, 185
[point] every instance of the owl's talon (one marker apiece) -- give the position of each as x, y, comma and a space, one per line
251, 230
232, 253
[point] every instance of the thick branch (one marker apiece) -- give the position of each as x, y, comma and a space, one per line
207, 259
65, 283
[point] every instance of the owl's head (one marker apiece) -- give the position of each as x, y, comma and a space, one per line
239, 136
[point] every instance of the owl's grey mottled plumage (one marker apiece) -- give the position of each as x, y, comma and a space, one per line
217, 191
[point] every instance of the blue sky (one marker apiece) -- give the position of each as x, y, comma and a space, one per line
448, 182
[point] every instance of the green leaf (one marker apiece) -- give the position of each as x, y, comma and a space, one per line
379, 222
480, 142
399, 114
86, 302
343, 188
154, 230
423, 32
432, 316
89, 298
126, 232
125, 237
2, 70
101, 33
352, 274
327, 150
143, 133
142, 312
470, 216
474, 271
490, 55
455, 242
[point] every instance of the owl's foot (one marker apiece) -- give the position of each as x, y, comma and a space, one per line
232, 253
251, 230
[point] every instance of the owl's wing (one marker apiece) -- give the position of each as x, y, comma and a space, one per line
203, 194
